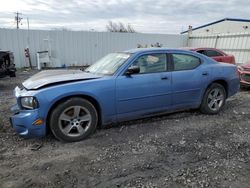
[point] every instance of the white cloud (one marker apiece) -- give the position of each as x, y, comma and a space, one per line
156, 16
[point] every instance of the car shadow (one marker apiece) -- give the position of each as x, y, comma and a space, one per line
155, 118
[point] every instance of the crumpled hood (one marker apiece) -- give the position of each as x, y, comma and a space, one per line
48, 77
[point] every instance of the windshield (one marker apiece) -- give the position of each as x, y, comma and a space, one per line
109, 64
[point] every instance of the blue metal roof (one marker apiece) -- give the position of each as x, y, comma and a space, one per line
218, 21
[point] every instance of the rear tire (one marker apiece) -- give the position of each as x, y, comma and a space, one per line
73, 120
213, 99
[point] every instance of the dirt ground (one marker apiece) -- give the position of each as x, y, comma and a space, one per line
185, 149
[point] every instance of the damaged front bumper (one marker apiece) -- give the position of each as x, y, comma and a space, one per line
244, 78
23, 121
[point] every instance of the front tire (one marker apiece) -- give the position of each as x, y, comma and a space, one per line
213, 99
73, 120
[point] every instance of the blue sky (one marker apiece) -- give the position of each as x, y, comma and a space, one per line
148, 16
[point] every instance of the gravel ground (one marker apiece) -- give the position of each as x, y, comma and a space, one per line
185, 149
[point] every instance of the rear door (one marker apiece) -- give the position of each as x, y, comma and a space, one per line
188, 79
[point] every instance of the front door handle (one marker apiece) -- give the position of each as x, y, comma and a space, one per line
205, 73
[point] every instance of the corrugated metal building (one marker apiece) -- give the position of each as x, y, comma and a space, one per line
229, 34
223, 26
77, 48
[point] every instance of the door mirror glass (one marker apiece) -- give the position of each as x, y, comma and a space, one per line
132, 70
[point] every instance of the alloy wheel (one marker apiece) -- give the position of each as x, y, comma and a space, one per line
215, 99
75, 121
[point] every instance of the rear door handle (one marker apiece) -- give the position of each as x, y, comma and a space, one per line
164, 77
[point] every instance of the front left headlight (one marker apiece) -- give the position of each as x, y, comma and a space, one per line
29, 103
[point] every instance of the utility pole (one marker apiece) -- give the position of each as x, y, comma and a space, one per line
18, 19
28, 41
28, 36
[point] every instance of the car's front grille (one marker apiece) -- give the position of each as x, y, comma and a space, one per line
245, 77
246, 69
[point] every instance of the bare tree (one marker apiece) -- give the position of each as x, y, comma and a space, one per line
130, 29
119, 27
122, 28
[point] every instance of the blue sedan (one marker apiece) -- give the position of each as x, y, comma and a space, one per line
119, 87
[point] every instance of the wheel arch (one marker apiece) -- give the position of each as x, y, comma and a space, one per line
221, 82
91, 99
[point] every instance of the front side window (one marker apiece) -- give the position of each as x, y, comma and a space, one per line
151, 63
185, 62
212, 53
109, 64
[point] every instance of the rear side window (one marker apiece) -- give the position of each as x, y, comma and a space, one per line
185, 62
212, 53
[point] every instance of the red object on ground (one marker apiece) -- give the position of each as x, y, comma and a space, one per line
244, 71
216, 54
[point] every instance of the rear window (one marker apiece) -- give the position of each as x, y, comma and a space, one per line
212, 53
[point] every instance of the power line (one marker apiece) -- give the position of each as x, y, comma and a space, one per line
18, 19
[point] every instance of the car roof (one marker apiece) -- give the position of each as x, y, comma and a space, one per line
205, 48
140, 50
198, 48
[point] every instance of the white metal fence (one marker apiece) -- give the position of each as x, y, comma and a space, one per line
76, 48
237, 44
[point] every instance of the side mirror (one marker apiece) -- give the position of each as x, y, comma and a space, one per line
133, 70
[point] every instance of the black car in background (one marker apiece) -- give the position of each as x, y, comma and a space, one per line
7, 66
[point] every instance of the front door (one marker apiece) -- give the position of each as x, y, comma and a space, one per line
146, 92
